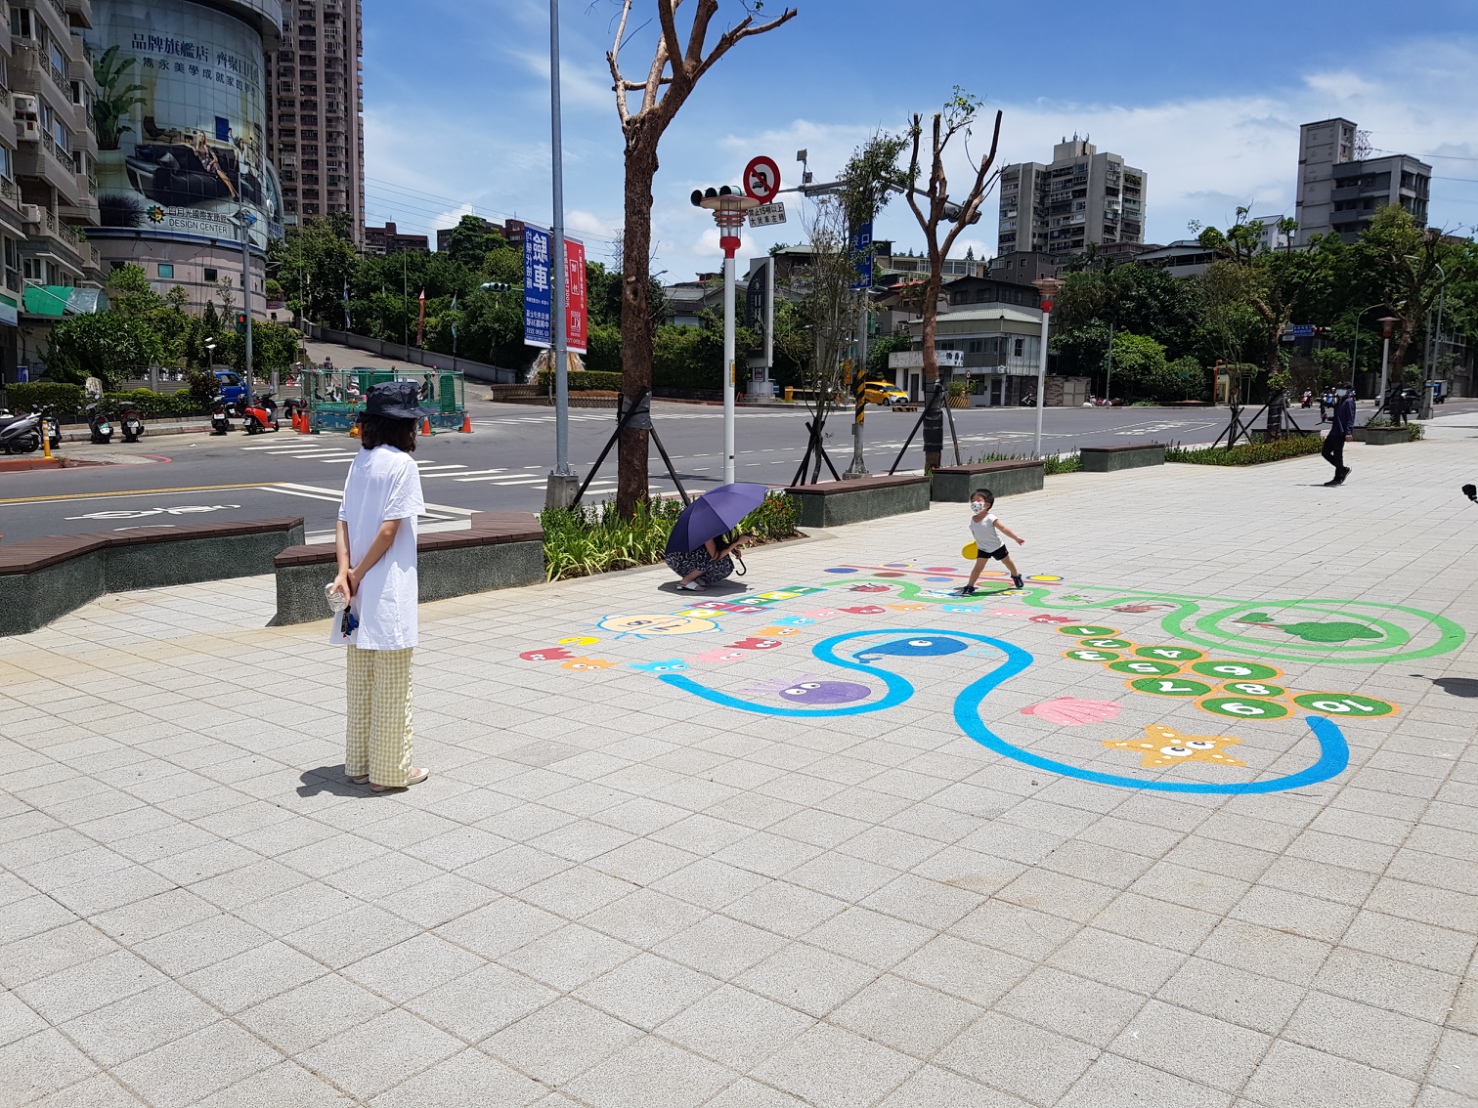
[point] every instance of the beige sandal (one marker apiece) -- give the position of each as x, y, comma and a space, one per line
416, 777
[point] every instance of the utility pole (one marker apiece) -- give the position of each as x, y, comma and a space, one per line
245, 219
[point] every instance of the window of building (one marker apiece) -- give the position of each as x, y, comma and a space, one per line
7, 167
32, 267
12, 265
21, 24
210, 274
1019, 348
58, 59
166, 269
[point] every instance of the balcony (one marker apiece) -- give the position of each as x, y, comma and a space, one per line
40, 159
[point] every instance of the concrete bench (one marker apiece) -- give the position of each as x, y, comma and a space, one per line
501, 550
834, 503
41, 579
956, 483
1106, 459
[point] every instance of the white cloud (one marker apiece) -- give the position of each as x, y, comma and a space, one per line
1204, 156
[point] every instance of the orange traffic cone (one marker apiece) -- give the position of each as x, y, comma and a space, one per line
467, 423
425, 425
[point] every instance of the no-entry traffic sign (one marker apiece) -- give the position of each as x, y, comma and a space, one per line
762, 179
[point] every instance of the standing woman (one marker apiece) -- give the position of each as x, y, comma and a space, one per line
376, 545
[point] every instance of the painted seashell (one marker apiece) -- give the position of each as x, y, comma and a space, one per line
1069, 711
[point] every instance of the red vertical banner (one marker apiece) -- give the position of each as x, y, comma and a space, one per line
576, 298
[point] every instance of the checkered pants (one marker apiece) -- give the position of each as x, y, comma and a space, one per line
378, 738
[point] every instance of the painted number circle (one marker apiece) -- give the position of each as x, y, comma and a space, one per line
1170, 653
1146, 668
1081, 629
1107, 644
1343, 704
1170, 686
1241, 708
1235, 671
1091, 655
1253, 688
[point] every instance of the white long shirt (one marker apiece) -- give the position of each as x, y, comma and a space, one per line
383, 484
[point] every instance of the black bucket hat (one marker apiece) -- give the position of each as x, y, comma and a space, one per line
396, 400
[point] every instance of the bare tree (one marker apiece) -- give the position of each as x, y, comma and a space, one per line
830, 307
674, 71
958, 115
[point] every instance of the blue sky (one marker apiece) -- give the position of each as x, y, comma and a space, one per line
1206, 98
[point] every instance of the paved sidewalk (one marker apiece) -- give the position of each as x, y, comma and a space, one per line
1191, 821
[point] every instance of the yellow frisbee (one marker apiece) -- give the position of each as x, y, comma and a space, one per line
971, 552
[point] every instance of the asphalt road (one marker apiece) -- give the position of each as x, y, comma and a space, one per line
502, 465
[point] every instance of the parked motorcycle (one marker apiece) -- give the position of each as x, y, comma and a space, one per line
98, 425
220, 418
21, 434
260, 415
132, 424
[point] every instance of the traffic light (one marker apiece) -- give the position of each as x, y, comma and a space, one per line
495, 286
241, 323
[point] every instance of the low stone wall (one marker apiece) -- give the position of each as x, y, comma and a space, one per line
501, 550
955, 483
1382, 436
1107, 459
834, 503
41, 579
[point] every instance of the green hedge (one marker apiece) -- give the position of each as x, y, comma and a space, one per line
582, 380
155, 405
64, 399
1247, 453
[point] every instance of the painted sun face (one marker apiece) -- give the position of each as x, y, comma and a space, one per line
657, 625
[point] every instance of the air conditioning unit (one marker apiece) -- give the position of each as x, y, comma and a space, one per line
25, 104
31, 213
27, 130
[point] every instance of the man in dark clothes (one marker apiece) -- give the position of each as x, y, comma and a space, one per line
1341, 430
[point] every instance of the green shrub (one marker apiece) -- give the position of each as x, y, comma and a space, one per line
153, 405
62, 398
582, 380
1248, 453
590, 539
1416, 431
1051, 463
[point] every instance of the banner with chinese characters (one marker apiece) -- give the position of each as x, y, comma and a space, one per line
181, 135
538, 291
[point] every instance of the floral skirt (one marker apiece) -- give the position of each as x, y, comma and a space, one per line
685, 563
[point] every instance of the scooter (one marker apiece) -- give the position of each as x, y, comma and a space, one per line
21, 434
132, 424
98, 425
220, 419
260, 416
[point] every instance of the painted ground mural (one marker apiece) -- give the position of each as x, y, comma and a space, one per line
1162, 691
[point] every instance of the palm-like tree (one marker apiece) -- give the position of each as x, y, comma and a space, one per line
115, 98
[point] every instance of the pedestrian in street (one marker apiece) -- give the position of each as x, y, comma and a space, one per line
984, 526
1340, 432
376, 545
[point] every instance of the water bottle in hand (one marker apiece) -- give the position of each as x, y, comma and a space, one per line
336, 600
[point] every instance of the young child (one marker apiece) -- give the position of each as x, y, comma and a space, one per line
988, 544
376, 544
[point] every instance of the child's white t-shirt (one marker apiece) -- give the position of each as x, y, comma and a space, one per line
984, 532
383, 484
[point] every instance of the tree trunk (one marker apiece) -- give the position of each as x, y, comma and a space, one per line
636, 323
933, 421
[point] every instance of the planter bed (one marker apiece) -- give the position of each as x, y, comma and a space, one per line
834, 503
955, 483
1107, 459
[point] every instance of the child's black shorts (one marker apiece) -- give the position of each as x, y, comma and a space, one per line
999, 555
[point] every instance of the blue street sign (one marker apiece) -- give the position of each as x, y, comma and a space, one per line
1302, 330
538, 307
862, 249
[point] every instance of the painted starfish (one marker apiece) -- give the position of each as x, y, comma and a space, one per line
1165, 746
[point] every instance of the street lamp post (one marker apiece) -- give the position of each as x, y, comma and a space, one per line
1047, 287
729, 206
244, 219
562, 483
1386, 323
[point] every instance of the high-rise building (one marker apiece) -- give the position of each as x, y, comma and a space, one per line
48, 192
1081, 197
182, 174
315, 111
1340, 187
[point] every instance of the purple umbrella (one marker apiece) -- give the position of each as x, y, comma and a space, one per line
715, 513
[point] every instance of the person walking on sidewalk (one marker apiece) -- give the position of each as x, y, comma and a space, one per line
376, 545
1341, 430
984, 526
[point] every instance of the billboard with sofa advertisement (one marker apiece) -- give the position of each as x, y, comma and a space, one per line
181, 122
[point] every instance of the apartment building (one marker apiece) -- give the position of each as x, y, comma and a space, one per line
510, 229
1082, 196
389, 240
1340, 187
48, 155
315, 110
